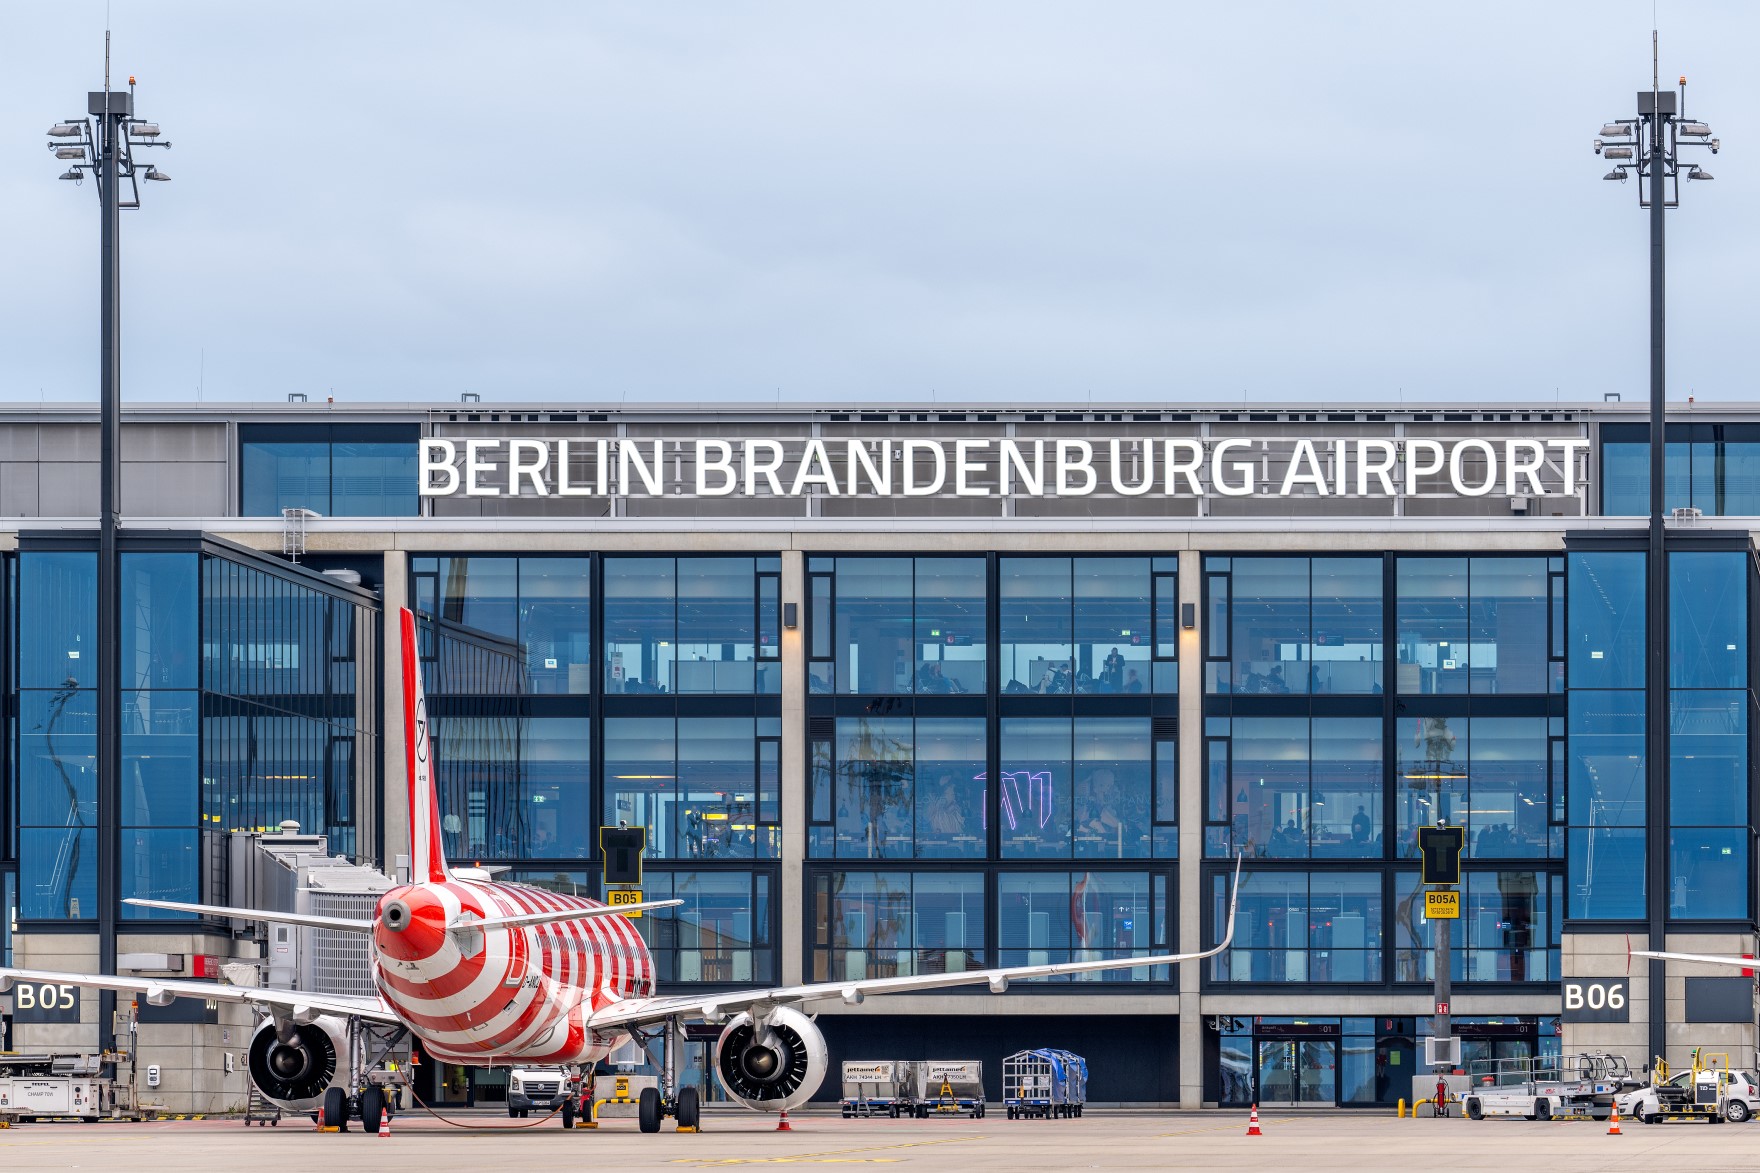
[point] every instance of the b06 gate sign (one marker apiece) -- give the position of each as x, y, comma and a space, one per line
1597, 1000
45, 1002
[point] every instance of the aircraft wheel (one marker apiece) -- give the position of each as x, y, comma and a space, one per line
648, 1111
336, 1109
690, 1107
372, 1109
568, 1112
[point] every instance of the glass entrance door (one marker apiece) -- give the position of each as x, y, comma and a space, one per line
1294, 1072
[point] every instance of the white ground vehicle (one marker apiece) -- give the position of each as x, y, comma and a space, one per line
1540, 1089
1712, 1094
540, 1088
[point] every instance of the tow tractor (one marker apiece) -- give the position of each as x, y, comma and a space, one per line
1706, 1091
1548, 1087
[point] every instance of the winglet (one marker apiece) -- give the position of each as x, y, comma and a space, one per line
1234, 897
427, 852
1628, 953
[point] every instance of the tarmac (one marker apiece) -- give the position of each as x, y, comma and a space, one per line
1099, 1140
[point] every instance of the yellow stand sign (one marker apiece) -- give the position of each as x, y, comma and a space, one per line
1442, 904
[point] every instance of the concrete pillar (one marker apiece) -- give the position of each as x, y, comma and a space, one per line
1191, 839
396, 768
794, 767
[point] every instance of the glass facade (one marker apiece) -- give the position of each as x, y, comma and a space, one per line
1606, 801
1294, 625
242, 705
692, 625
338, 470
1712, 467
1711, 709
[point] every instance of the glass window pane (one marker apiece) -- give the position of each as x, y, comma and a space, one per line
1112, 788
640, 624
161, 763
1271, 636
1344, 927
717, 784
277, 475
1347, 787
159, 621
1270, 782
1347, 649
874, 625
717, 634
1605, 784
161, 864
1037, 625
1112, 633
58, 873
1431, 784
641, 783
1708, 758
1708, 873
950, 788
1606, 872
1606, 620
373, 480
1508, 816
554, 616
1708, 619
1433, 651
1033, 801
57, 648
1508, 616
875, 778
952, 625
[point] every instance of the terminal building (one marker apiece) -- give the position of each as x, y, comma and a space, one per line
902, 691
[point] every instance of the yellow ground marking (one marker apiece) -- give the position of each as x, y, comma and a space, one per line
828, 1157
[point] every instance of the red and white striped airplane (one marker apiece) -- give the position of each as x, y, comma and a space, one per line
488, 973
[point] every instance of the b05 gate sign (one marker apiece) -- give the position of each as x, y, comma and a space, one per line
1597, 1000
45, 1002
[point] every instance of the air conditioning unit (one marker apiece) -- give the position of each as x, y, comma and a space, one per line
1520, 503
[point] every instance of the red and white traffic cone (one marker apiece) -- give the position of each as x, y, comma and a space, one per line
1613, 1123
1253, 1123
320, 1127
782, 1124
385, 1124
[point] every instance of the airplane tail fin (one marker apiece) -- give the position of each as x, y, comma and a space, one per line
427, 854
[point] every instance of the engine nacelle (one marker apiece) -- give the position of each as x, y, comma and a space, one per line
773, 1065
296, 1074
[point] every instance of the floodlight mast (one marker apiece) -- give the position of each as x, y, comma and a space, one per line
1657, 137
107, 139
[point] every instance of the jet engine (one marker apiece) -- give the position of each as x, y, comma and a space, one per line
772, 1064
296, 1073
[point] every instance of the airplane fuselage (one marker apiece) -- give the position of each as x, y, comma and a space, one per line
504, 994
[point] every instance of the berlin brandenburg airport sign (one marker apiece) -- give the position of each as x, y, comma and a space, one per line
1196, 467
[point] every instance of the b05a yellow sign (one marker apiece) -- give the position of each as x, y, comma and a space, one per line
617, 897
1442, 905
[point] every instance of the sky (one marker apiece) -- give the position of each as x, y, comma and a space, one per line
922, 201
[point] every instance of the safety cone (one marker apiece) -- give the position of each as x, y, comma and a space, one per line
320, 1127
782, 1124
385, 1124
1613, 1123
1253, 1123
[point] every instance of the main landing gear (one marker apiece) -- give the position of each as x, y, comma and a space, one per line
686, 1108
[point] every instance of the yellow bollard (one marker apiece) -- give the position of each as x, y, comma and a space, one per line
1402, 1108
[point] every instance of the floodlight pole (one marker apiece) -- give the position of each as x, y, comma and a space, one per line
104, 149
1657, 133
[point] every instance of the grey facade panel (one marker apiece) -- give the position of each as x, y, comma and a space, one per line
19, 442
18, 490
180, 441
67, 442
68, 489
1720, 999
172, 488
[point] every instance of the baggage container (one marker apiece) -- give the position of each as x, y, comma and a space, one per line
873, 1088
948, 1087
1046, 1083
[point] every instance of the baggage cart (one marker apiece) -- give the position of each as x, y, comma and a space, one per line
947, 1087
1046, 1083
1544, 1088
874, 1089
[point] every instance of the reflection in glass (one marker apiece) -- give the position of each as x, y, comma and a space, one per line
1033, 801
950, 788
1347, 787
1112, 788
1050, 917
1300, 927
895, 924
875, 776
720, 934
1708, 619
1606, 601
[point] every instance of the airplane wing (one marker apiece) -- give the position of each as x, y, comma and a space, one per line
162, 991
637, 1011
1701, 958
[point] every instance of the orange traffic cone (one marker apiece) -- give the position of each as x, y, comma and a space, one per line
782, 1124
385, 1124
320, 1127
1613, 1123
1253, 1123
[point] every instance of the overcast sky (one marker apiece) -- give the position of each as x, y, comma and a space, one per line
957, 200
